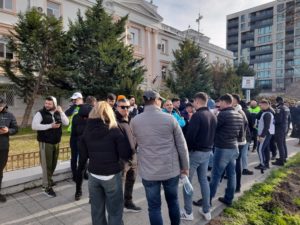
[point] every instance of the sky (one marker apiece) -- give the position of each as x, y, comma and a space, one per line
182, 13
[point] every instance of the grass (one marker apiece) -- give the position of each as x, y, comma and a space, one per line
249, 208
25, 141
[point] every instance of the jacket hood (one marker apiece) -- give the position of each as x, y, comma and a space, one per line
97, 125
238, 107
85, 110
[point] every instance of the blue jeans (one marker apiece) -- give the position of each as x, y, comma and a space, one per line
106, 195
264, 151
198, 162
244, 155
152, 189
224, 159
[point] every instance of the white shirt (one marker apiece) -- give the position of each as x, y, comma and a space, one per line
37, 119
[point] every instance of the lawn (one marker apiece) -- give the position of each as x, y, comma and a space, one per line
25, 141
276, 201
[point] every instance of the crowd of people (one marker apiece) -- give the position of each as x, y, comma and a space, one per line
162, 141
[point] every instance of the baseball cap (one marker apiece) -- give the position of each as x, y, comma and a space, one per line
2, 102
76, 95
152, 95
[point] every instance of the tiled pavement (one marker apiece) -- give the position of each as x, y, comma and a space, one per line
33, 207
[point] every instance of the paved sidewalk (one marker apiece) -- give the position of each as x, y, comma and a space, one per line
33, 207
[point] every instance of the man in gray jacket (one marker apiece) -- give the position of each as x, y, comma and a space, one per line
162, 156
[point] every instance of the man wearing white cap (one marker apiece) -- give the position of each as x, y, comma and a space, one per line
48, 123
77, 101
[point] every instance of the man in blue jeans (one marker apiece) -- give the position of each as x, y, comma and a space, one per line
200, 139
162, 157
229, 131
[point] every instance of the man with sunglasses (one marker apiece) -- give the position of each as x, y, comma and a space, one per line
8, 126
130, 168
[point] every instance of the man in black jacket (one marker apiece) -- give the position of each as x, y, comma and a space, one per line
200, 140
229, 131
130, 168
8, 126
282, 114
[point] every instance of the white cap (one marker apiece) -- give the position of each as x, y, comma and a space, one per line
54, 101
76, 95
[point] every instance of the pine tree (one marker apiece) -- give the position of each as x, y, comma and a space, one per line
190, 71
36, 41
98, 59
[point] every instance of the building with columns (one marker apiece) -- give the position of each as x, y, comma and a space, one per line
152, 40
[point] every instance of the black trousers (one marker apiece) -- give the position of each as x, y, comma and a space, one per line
129, 175
81, 169
3, 161
273, 147
280, 139
254, 138
238, 169
74, 155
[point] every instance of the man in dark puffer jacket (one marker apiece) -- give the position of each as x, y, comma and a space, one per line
229, 131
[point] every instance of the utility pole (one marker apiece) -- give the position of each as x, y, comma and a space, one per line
200, 17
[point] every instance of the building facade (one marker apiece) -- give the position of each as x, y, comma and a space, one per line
152, 40
268, 38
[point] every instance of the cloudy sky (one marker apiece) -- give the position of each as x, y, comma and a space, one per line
182, 13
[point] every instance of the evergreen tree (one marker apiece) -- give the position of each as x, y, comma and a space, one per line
190, 71
98, 59
36, 42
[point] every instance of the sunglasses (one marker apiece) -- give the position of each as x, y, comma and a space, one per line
124, 107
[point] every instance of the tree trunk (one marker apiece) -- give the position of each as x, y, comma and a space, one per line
27, 112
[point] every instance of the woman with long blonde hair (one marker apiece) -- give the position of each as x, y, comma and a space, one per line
105, 145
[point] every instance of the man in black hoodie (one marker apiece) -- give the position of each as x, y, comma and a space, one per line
8, 126
282, 114
130, 168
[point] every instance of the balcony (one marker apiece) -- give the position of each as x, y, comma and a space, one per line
289, 38
233, 23
232, 48
261, 60
261, 52
264, 23
247, 36
265, 15
232, 40
232, 32
289, 56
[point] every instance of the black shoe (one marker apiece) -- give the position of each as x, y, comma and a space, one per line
209, 168
273, 158
50, 193
221, 199
260, 167
278, 163
247, 172
225, 177
2, 198
131, 207
237, 190
198, 203
78, 195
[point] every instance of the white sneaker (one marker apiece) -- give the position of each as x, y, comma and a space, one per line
185, 216
207, 215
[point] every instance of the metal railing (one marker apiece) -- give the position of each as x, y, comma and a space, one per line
32, 159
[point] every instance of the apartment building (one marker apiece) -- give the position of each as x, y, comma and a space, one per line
268, 38
152, 40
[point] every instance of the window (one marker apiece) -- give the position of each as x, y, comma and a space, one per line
280, 36
243, 18
280, 27
134, 36
280, 17
53, 9
261, 66
279, 54
243, 26
7, 92
279, 73
279, 64
4, 50
164, 72
164, 46
297, 62
264, 30
279, 46
265, 84
263, 74
297, 42
6, 4
264, 39
280, 83
297, 52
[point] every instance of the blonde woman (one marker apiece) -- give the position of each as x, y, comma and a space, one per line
104, 144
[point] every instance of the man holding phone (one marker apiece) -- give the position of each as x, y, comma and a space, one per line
8, 126
48, 124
